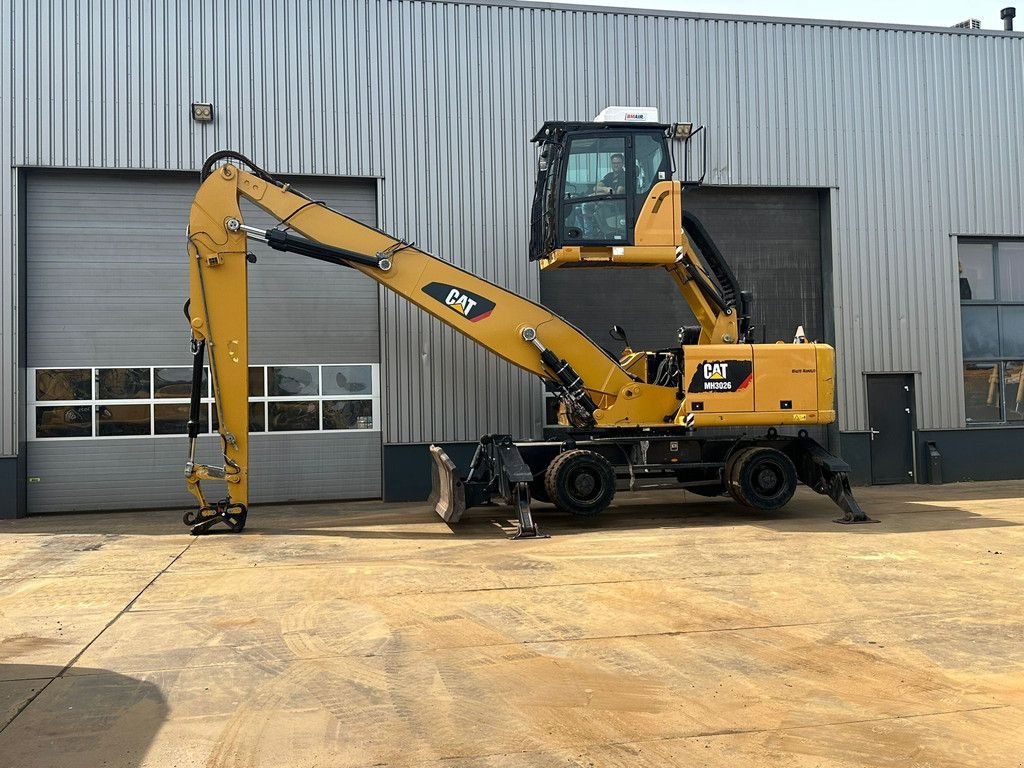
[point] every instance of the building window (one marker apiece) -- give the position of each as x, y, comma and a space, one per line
992, 325
75, 403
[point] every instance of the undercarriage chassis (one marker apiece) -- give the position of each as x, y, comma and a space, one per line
580, 474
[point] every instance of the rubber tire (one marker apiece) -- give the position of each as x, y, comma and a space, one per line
761, 478
580, 482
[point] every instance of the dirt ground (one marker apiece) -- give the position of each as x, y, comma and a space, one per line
672, 631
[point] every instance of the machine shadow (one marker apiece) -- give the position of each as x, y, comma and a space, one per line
908, 509
808, 512
93, 717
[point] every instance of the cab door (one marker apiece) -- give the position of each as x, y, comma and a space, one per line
596, 204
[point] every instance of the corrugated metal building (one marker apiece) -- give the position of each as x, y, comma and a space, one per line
893, 152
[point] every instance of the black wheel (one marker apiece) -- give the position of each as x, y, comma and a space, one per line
580, 482
761, 478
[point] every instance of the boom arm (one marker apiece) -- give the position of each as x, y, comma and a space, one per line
594, 388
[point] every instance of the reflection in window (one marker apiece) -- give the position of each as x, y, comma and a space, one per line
122, 384
84, 402
348, 380
177, 382
649, 159
64, 421
992, 324
981, 392
257, 418
980, 332
976, 278
348, 414
598, 220
67, 384
1011, 271
294, 416
1013, 387
119, 420
292, 380
172, 419
1011, 331
256, 385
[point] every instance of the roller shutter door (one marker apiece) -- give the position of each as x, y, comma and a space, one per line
107, 340
770, 237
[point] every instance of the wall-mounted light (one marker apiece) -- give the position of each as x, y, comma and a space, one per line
202, 112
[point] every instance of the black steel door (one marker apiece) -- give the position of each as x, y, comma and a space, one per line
891, 417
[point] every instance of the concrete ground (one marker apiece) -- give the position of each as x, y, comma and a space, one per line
663, 634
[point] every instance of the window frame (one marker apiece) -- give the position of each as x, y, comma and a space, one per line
207, 402
997, 303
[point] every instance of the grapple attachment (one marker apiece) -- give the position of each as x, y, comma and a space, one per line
448, 492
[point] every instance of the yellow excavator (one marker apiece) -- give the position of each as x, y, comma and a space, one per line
605, 196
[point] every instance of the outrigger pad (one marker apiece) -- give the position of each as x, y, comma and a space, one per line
839, 491
448, 493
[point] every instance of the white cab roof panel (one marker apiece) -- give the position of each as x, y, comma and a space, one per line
628, 115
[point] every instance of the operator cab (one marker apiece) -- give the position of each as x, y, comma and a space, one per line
594, 178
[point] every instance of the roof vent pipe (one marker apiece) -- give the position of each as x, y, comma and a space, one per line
1007, 15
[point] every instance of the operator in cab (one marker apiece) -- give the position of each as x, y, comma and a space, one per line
613, 183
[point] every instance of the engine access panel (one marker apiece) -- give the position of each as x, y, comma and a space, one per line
758, 384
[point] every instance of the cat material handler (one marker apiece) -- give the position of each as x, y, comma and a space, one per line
605, 197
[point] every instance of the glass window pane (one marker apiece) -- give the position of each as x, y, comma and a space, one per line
116, 420
551, 406
596, 166
976, 280
1011, 272
1011, 331
597, 220
73, 384
290, 380
649, 153
122, 383
1013, 387
64, 421
348, 414
177, 382
348, 380
980, 332
256, 381
257, 418
172, 418
981, 392
294, 416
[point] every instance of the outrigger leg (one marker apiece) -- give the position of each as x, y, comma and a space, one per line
829, 476
497, 469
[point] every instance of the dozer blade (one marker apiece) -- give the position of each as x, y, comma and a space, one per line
448, 493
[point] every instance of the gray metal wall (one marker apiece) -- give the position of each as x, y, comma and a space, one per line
915, 130
106, 277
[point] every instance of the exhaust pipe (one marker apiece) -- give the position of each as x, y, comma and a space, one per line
1007, 15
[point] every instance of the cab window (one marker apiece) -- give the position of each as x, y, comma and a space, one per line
650, 158
594, 195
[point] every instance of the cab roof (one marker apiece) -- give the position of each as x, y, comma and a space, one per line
554, 130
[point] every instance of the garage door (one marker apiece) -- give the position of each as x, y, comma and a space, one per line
107, 351
772, 241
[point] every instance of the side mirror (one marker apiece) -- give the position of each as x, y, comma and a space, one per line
618, 333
